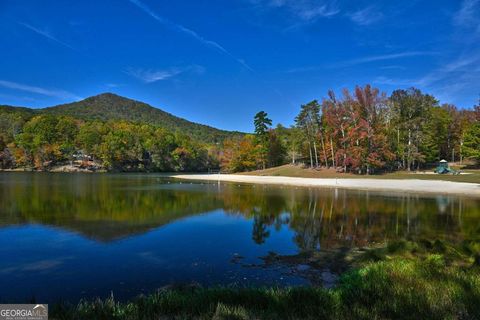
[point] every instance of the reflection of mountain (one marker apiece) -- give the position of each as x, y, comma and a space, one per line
108, 207
102, 207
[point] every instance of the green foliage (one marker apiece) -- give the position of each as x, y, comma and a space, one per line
240, 154
47, 140
261, 123
436, 131
90, 136
363, 132
11, 124
263, 149
117, 133
276, 150
308, 121
472, 141
108, 106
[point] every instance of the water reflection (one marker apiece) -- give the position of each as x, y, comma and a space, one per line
134, 233
109, 207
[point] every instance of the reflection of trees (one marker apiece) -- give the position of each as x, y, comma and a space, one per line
260, 231
106, 207
330, 218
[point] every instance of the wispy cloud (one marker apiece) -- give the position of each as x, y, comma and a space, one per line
392, 67
456, 69
150, 76
468, 15
384, 57
348, 63
62, 94
180, 28
461, 74
306, 10
394, 81
46, 34
366, 16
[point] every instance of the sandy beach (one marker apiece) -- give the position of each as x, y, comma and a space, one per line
396, 185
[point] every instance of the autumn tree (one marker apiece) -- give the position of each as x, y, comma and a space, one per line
239, 154
374, 151
336, 121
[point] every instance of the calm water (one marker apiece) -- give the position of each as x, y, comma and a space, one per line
67, 236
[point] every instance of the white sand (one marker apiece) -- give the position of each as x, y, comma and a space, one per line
400, 185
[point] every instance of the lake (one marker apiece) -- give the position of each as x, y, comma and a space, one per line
72, 236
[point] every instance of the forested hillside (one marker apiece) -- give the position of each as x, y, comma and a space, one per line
109, 106
361, 132
106, 132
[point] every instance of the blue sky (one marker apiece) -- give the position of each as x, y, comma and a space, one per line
219, 62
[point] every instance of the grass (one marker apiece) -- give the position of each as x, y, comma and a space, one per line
401, 280
289, 170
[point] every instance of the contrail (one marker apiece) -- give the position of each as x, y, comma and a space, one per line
179, 28
46, 35
38, 90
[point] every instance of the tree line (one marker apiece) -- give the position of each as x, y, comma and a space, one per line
363, 132
47, 140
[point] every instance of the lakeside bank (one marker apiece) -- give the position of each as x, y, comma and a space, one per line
394, 185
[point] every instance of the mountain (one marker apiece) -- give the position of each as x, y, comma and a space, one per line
109, 106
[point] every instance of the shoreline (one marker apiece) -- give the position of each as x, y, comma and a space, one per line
438, 187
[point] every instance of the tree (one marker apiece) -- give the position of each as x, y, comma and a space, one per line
276, 151
476, 111
90, 137
356, 129
410, 111
6, 158
291, 142
309, 122
471, 144
262, 123
373, 145
161, 145
239, 154
40, 141
336, 121
67, 131
437, 138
